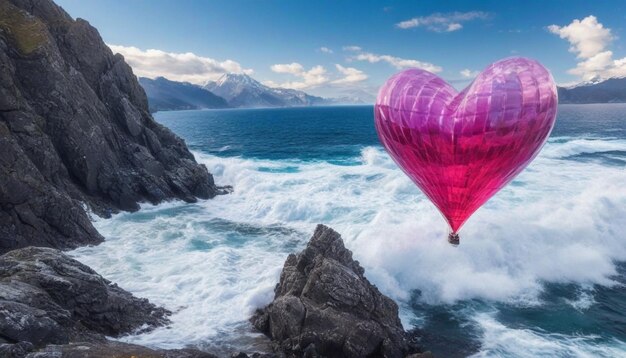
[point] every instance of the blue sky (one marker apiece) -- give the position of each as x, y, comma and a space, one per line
336, 47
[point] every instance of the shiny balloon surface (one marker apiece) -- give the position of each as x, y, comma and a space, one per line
462, 148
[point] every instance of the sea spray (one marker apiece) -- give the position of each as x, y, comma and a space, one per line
214, 262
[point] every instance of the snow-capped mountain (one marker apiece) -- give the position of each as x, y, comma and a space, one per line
238, 91
353, 96
165, 95
593, 81
612, 90
241, 90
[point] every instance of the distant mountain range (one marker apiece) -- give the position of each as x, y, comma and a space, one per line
234, 91
241, 90
164, 95
612, 90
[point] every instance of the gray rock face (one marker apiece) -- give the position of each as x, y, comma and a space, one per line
75, 130
48, 298
325, 306
112, 349
18, 350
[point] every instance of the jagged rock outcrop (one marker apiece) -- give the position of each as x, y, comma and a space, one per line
324, 306
47, 297
75, 129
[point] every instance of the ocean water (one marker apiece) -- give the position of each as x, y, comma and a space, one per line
541, 269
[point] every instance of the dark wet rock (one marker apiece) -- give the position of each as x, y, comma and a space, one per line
254, 355
113, 349
447, 344
47, 297
17, 350
52, 306
76, 133
421, 355
324, 306
185, 353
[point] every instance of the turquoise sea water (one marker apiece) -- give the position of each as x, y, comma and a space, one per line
540, 270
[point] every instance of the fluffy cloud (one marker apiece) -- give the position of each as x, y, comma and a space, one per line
439, 22
587, 37
589, 40
453, 27
187, 66
350, 75
293, 68
467, 73
397, 62
314, 77
326, 49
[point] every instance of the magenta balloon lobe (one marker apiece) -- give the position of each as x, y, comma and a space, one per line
462, 148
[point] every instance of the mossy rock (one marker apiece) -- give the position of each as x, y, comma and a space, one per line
27, 31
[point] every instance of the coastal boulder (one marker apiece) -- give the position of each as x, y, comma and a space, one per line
46, 297
324, 306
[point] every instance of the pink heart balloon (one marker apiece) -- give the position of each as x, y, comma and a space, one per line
462, 148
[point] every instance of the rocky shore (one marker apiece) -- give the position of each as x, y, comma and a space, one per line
53, 306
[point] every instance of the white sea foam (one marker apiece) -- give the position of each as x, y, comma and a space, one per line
501, 341
583, 146
560, 221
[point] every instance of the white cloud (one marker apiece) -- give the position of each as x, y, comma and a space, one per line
589, 40
601, 65
293, 68
314, 77
454, 26
439, 22
187, 67
352, 48
397, 62
351, 75
467, 73
326, 49
587, 37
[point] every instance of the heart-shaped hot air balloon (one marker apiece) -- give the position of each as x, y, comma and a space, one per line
461, 148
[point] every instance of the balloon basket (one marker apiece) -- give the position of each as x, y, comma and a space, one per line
454, 239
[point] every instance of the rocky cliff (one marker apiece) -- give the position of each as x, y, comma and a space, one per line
76, 133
